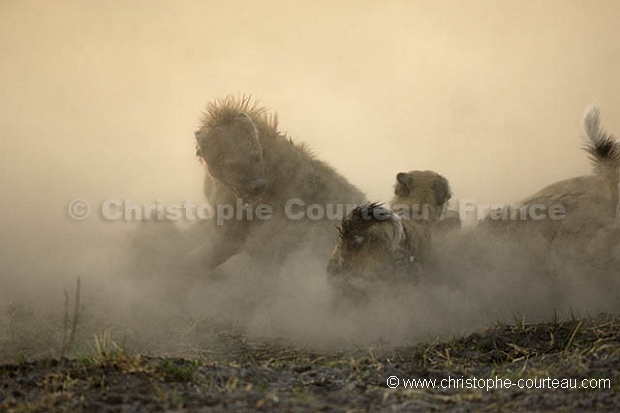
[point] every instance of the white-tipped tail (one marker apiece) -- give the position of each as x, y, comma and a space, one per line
602, 147
604, 152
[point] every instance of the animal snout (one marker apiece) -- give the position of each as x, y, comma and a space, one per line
258, 185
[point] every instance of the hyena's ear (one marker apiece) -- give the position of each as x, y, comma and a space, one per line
403, 178
442, 190
246, 120
403, 184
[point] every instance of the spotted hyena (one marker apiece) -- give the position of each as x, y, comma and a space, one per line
586, 204
250, 163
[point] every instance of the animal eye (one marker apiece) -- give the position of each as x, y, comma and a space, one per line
358, 239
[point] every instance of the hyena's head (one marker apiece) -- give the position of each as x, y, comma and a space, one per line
369, 243
420, 195
231, 149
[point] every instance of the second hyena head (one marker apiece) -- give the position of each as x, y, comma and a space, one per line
232, 151
420, 195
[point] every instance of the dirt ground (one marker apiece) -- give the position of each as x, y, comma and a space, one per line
240, 374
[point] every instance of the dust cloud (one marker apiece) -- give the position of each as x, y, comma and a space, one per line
100, 101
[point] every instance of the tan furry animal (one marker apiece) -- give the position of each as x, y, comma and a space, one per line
376, 242
374, 246
604, 249
420, 199
590, 202
250, 162
420, 196
585, 199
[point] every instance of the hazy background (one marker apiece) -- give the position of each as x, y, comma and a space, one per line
100, 100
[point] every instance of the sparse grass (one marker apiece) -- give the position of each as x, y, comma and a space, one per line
106, 353
246, 373
70, 324
179, 370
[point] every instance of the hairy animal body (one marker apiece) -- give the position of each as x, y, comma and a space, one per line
249, 163
588, 203
375, 247
376, 242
